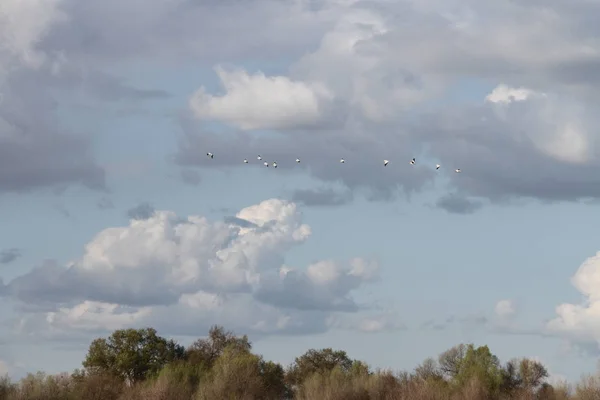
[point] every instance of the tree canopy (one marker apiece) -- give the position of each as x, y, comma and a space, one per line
132, 354
139, 364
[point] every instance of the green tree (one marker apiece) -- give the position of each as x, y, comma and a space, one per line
206, 351
132, 355
235, 375
480, 364
273, 376
317, 361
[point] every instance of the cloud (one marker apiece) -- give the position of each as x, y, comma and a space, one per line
351, 81
256, 101
165, 266
9, 255
35, 149
580, 322
170, 33
239, 222
505, 309
525, 131
535, 147
143, 210
457, 204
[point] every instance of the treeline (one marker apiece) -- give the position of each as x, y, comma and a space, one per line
140, 365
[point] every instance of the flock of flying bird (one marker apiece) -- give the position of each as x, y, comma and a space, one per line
274, 163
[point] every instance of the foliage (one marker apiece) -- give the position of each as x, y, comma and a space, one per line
139, 365
132, 355
206, 351
317, 361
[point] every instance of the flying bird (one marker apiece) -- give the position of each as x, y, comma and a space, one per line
298, 160
259, 158
245, 161
385, 163
437, 166
266, 164
413, 161
342, 161
457, 170
211, 155
274, 164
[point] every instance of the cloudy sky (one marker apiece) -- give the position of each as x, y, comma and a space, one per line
112, 216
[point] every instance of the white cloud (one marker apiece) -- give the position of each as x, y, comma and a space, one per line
581, 322
263, 102
564, 138
23, 24
505, 94
393, 69
155, 268
505, 309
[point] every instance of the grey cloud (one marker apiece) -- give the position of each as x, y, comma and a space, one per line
240, 222
296, 292
143, 210
457, 204
322, 197
363, 169
504, 48
101, 32
9, 255
51, 285
499, 158
35, 150
497, 155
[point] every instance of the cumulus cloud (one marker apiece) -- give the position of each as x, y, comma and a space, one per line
581, 322
505, 309
261, 102
165, 266
35, 150
365, 81
530, 136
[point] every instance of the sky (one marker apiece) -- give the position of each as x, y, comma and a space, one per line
112, 216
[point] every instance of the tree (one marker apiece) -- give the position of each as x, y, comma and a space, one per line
242, 375
314, 361
273, 377
132, 355
206, 351
428, 370
523, 375
480, 364
450, 360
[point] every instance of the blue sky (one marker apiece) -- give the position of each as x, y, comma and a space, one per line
393, 264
